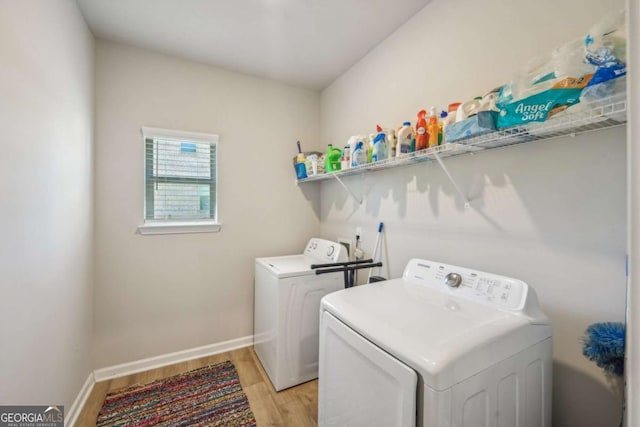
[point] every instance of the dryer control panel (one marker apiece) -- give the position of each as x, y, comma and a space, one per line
326, 251
480, 286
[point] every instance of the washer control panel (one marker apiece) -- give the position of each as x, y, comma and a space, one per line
326, 251
476, 285
453, 280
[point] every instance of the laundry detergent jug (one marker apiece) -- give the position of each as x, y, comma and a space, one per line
332, 162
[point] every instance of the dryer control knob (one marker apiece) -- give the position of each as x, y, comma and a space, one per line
453, 280
330, 250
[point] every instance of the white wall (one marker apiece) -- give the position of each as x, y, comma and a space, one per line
160, 294
46, 188
551, 213
632, 366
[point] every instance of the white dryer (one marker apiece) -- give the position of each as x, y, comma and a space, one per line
286, 311
441, 346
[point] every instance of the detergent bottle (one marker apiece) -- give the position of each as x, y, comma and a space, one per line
379, 148
468, 109
406, 138
359, 156
433, 127
332, 162
422, 137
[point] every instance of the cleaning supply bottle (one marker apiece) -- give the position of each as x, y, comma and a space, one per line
468, 109
406, 137
332, 161
383, 145
443, 117
433, 127
370, 147
392, 141
379, 148
359, 156
451, 111
422, 137
346, 155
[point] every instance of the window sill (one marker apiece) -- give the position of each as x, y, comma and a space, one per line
177, 227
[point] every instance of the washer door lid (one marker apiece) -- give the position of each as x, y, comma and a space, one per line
360, 384
289, 266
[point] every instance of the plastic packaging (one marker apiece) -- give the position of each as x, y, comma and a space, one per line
479, 124
488, 102
422, 137
546, 87
406, 138
312, 164
433, 127
605, 48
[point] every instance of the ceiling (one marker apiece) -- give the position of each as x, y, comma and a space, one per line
307, 43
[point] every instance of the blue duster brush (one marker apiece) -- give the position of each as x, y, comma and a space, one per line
604, 345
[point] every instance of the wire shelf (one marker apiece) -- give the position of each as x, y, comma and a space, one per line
582, 118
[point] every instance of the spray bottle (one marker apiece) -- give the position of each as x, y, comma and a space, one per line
433, 127
422, 137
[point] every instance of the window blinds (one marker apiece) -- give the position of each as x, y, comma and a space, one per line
180, 179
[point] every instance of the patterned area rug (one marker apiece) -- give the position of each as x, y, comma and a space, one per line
209, 396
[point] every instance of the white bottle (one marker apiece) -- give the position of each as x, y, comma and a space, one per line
405, 137
467, 109
346, 155
392, 143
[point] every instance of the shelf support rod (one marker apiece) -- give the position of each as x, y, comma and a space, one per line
455, 185
348, 190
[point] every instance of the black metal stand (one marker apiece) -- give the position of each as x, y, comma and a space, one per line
348, 268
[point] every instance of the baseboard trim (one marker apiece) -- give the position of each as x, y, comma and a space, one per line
129, 368
71, 416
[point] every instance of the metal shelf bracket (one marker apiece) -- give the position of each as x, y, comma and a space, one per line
455, 185
359, 200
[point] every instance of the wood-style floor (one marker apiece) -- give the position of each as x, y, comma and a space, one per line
295, 407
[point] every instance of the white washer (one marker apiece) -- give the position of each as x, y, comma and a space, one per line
442, 346
286, 313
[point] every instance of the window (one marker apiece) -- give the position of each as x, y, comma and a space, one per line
179, 182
